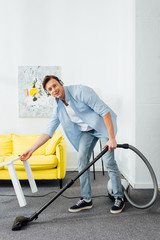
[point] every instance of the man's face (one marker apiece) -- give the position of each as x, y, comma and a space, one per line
54, 88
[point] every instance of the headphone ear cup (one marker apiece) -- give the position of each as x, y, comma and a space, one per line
60, 81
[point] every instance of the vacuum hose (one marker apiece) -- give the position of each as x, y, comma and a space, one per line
155, 184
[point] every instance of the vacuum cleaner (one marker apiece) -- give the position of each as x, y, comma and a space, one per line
22, 221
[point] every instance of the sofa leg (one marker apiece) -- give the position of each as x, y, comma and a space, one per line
60, 183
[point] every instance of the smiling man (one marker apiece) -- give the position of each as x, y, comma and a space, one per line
85, 119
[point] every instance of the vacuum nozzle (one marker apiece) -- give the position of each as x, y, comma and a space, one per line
19, 222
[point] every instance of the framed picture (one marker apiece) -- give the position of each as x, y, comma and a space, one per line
33, 100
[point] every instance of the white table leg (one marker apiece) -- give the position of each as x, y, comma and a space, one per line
30, 176
16, 185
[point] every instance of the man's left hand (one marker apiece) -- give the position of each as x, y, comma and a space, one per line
112, 144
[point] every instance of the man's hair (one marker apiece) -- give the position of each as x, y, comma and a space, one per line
49, 77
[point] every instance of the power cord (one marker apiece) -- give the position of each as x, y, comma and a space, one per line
68, 197
68, 175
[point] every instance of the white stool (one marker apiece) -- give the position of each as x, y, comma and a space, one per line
15, 180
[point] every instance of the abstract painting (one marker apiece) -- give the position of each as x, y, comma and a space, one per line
33, 100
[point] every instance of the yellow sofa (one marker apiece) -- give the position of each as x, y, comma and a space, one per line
47, 162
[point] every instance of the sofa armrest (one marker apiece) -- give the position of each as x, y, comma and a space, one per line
61, 154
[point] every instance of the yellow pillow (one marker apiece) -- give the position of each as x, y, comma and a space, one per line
51, 147
5, 145
22, 142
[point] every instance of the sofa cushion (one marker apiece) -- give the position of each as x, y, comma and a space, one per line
51, 147
22, 142
40, 162
5, 145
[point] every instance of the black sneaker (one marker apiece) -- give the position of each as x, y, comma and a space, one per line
118, 205
82, 204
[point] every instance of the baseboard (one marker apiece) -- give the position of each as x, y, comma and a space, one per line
138, 185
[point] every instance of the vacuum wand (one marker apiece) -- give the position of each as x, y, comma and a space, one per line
22, 221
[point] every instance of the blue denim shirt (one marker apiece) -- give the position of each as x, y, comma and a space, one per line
87, 106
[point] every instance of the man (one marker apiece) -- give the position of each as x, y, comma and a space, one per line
85, 119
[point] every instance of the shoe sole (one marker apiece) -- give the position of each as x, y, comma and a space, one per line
80, 209
118, 211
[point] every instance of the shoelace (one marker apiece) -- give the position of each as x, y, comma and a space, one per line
117, 203
79, 202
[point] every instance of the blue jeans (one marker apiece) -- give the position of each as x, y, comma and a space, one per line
87, 143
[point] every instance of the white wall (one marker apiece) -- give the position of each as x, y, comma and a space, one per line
126, 110
93, 42
148, 87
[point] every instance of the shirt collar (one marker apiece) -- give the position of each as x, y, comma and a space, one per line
67, 95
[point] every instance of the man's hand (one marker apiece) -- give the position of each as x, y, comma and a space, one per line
26, 155
112, 144
41, 140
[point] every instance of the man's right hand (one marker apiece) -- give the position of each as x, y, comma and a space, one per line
26, 155
41, 140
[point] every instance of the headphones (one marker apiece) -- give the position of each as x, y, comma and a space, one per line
58, 80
